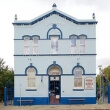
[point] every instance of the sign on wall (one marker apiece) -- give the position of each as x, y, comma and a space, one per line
89, 83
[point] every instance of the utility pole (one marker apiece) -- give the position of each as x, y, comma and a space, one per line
103, 87
100, 66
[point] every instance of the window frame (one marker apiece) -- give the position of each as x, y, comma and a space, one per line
77, 78
32, 78
35, 46
55, 49
82, 43
82, 73
73, 46
27, 45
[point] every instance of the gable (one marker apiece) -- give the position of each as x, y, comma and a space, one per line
57, 12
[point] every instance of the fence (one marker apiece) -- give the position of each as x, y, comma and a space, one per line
8, 94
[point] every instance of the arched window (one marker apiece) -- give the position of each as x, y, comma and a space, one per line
54, 70
35, 45
54, 32
26, 45
31, 78
78, 78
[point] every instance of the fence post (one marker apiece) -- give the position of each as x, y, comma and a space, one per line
5, 96
109, 93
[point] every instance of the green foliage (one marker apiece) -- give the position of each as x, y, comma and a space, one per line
98, 81
6, 74
107, 73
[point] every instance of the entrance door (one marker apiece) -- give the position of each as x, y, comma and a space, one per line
54, 89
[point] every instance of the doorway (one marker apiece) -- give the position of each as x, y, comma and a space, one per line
54, 89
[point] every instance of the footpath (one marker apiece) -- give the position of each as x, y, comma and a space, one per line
57, 107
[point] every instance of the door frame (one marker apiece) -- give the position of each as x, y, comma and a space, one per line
55, 99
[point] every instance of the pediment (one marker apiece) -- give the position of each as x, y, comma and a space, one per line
58, 13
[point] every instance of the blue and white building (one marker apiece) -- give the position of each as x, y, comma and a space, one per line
54, 59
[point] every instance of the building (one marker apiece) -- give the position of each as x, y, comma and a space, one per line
55, 59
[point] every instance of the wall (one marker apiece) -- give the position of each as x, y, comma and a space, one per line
44, 59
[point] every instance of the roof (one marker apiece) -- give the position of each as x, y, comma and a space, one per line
57, 12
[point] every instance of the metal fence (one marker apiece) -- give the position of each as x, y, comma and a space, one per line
8, 93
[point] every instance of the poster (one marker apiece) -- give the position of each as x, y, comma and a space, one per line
89, 83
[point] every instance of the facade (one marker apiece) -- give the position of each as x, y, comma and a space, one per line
54, 59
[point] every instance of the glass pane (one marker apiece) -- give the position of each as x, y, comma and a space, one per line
77, 82
82, 41
31, 78
54, 70
54, 44
78, 71
82, 49
78, 77
31, 70
35, 49
26, 42
35, 41
73, 42
31, 82
73, 50
26, 50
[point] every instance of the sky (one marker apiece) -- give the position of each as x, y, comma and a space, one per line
80, 9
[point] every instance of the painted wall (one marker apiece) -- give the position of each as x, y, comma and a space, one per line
68, 28
41, 87
43, 62
64, 46
44, 59
67, 87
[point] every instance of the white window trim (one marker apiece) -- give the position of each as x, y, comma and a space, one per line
35, 46
31, 88
55, 50
82, 45
74, 47
82, 87
27, 46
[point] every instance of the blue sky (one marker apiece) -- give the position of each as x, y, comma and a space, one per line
80, 9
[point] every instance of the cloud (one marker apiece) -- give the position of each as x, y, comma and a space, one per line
98, 4
104, 62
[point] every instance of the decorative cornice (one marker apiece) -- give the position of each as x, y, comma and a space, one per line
53, 54
59, 13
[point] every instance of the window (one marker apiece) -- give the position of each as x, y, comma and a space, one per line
31, 78
26, 45
35, 45
73, 44
54, 45
82, 44
54, 70
78, 78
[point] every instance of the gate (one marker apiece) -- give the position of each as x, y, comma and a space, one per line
104, 93
54, 88
8, 93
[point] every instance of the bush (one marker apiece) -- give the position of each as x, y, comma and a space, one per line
1, 94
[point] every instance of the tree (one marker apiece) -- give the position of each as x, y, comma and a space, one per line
6, 74
105, 79
107, 73
98, 81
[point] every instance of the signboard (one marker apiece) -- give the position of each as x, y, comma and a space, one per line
89, 83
